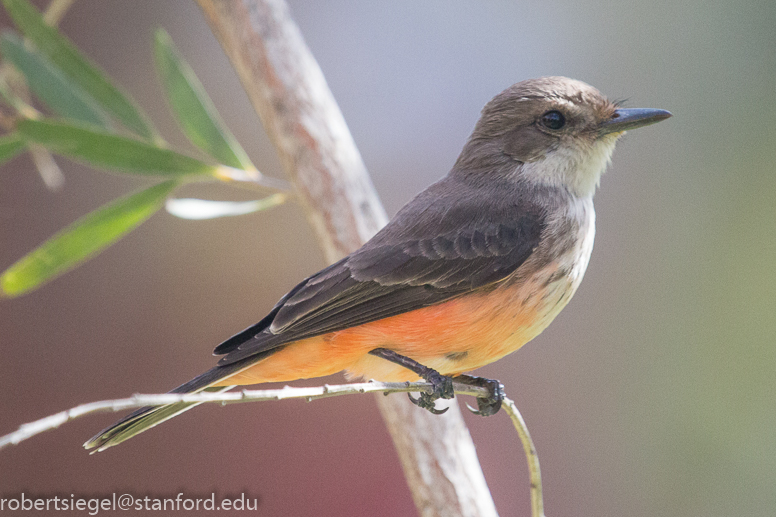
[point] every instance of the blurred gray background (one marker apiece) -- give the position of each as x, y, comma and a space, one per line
653, 393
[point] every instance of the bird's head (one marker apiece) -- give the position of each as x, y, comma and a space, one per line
551, 130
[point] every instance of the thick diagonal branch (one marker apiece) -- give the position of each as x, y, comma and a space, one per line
289, 92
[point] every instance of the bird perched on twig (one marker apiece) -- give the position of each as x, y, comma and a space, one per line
470, 270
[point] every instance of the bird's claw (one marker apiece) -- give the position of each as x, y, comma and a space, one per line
487, 406
442, 388
427, 402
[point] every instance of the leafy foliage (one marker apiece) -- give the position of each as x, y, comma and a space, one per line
102, 149
61, 94
83, 238
70, 62
193, 108
99, 125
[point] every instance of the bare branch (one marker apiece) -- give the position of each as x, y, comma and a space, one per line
31, 429
301, 117
289, 92
49, 423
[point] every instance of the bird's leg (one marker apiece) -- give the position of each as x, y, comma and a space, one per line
487, 405
442, 384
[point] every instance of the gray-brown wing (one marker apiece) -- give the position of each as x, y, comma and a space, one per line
393, 274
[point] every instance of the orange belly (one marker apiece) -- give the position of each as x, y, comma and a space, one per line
453, 337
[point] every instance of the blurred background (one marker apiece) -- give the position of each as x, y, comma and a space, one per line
653, 393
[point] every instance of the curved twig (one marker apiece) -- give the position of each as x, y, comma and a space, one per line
534, 474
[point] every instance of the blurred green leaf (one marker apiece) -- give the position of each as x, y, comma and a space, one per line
10, 146
49, 84
82, 239
108, 150
198, 209
193, 108
77, 67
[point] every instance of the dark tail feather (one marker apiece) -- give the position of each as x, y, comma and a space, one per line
148, 417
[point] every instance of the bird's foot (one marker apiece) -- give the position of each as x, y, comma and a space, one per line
487, 406
442, 385
442, 389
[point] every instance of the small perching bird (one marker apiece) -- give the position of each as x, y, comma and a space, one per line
470, 270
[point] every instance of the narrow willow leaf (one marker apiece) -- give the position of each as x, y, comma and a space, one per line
77, 67
10, 146
83, 239
111, 151
198, 209
193, 108
49, 84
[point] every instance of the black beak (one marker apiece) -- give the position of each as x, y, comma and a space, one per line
625, 119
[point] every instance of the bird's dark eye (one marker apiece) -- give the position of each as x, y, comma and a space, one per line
553, 119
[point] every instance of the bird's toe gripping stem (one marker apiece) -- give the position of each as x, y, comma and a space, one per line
442, 385
487, 406
442, 389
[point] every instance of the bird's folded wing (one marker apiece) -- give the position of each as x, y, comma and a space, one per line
393, 274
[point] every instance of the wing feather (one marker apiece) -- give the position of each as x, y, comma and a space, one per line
418, 260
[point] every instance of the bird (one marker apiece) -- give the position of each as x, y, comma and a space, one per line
471, 269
